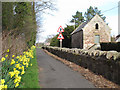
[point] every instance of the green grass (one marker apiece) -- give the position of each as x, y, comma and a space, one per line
31, 78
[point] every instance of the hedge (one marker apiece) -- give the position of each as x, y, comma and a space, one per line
110, 46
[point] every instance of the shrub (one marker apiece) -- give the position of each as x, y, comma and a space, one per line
110, 46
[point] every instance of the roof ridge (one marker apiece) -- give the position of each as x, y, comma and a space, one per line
82, 25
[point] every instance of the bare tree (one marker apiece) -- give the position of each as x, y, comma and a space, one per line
43, 5
49, 37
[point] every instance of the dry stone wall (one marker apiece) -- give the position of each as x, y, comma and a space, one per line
105, 63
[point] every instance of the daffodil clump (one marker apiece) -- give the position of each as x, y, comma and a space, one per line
2, 85
12, 70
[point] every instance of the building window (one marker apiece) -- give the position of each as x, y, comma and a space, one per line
97, 39
96, 26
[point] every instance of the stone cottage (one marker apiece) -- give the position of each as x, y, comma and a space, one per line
91, 33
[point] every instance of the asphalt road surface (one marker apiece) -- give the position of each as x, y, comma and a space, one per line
54, 74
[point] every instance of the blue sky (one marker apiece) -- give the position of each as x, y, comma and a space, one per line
67, 8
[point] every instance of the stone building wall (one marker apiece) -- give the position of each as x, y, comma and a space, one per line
90, 31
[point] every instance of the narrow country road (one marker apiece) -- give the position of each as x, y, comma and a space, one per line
54, 74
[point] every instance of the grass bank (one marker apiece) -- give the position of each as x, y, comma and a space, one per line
31, 79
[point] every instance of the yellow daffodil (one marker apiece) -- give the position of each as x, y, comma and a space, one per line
22, 72
18, 57
5, 86
13, 56
16, 75
11, 74
21, 60
8, 50
26, 65
2, 81
17, 72
12, 62
28, 59
6, 56
14, 69
17, 84
30, 64
15, 81
17, 65
1, 87
23, 63
19, 78
3, 59
20, 68
33, 47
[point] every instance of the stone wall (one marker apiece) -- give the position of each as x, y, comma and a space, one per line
105, 63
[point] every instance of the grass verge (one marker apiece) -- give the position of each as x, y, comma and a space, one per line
30, 79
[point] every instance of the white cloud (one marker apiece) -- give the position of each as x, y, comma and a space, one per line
113, 24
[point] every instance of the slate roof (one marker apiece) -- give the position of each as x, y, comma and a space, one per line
117, 37
80, 27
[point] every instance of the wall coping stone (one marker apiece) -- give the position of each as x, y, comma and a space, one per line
114, 55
